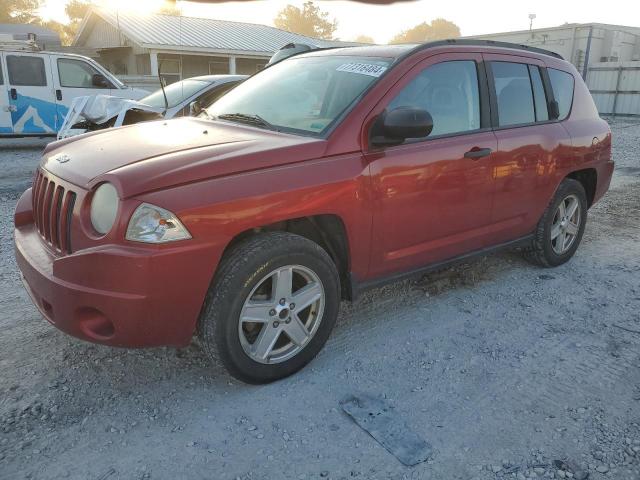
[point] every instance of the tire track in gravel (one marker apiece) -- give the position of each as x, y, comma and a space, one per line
601, 367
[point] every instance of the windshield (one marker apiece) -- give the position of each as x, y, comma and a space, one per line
176, 93
302, 95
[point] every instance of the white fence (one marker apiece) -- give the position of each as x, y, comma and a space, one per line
615, 87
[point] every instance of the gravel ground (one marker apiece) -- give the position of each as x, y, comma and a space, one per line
507, 370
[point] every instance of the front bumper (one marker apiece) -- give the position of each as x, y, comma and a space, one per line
120, 295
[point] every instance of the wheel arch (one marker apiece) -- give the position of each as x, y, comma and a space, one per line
327, 230
588, 177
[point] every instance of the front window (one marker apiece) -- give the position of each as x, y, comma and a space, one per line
76, 73
304, 95
449, 92
176, 93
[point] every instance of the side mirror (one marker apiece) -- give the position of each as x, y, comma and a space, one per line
395, 126
98, 80
195, 108
554, 110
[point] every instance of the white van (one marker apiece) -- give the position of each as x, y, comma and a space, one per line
37, 87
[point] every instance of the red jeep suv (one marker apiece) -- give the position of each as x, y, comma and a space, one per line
322, 175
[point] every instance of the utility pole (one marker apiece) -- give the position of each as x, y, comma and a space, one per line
585, 68
532, 17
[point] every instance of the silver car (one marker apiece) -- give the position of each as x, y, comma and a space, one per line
204, 90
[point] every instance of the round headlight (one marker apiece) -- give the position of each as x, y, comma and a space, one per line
104, 208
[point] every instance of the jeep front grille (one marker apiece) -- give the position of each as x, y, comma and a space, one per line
53, 211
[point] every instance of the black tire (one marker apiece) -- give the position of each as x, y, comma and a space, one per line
541, 251
239, 272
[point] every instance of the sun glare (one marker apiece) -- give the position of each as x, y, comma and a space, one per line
54, 9
137, 6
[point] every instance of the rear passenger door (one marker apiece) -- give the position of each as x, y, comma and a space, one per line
31, 98
529, 144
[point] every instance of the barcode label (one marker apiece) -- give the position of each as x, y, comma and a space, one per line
362, 69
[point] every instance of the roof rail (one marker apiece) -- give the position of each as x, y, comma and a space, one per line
486, 43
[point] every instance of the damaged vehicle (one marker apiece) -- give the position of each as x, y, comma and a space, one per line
37, 87
183, 98
328, 173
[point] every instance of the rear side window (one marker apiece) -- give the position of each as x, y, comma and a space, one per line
539, 97
26, 71
513, 93
562, 84
449, 92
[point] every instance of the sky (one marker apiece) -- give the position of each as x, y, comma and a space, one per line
382, 22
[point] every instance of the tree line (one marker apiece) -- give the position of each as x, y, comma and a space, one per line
309, 20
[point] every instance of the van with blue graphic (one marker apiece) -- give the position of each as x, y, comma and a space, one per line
37, 87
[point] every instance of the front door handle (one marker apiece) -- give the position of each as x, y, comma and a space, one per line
14, 94
58, 94
475, 153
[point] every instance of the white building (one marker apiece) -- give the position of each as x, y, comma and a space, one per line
136, 47
606, 43
608, 56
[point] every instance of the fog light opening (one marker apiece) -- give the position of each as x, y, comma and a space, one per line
95, 324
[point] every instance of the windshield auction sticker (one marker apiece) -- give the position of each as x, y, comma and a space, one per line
362, 69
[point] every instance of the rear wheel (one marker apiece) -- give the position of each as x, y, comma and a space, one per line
271, 307
561, 227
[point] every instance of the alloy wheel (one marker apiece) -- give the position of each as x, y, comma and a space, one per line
566, 224
281, 314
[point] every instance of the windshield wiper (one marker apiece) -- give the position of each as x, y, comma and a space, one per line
254, 120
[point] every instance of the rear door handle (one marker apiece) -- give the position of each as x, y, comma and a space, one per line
14, 94
58, 94
476, 153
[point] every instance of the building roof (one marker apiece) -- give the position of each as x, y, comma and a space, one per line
171, 32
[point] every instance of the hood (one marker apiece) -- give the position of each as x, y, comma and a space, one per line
155, 155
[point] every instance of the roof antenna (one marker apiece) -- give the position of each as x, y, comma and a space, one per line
164, 94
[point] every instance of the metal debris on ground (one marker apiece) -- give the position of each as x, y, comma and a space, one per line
388, 428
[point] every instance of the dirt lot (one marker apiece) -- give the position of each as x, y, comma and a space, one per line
501, 366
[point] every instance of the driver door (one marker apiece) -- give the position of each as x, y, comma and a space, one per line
74, 77
433, 195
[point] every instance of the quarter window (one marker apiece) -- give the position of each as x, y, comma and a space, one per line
513, 93
76, 73
449, 92
562, 84
26, 71
539, 97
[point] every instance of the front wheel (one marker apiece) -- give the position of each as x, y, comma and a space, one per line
271, 307
561, 227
